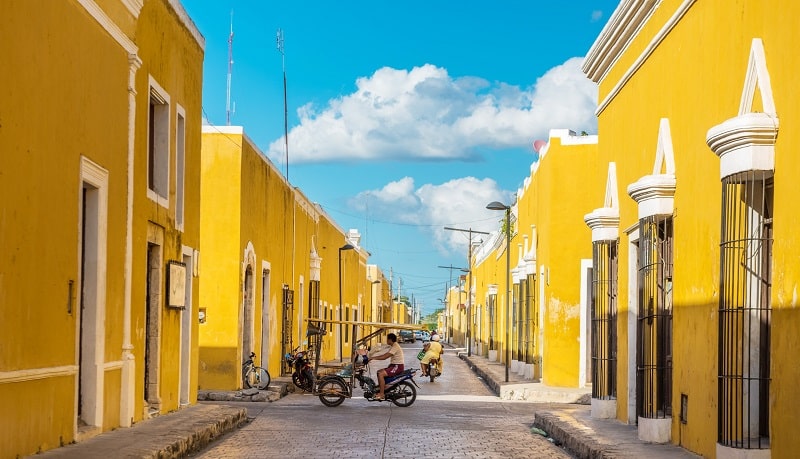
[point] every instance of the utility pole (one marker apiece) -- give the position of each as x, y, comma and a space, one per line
469, 284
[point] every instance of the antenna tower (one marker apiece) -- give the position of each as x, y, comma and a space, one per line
280, 44
230, 73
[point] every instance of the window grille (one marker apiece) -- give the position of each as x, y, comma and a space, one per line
530, 318
744, 311
604, 320
492, 322
654, 331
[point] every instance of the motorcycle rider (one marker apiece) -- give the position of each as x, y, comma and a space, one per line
433, 350
395, 353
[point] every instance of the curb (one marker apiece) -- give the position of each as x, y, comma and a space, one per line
203, 432
572, 438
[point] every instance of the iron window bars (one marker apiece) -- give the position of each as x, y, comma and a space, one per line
744, 311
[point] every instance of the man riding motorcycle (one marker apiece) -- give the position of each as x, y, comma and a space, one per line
433, 350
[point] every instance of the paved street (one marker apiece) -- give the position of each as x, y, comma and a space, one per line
456, 416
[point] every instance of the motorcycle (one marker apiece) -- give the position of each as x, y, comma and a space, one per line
302, 370
433, 369
400, 389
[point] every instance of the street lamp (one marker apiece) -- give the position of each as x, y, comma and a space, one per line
495, 205
341, 306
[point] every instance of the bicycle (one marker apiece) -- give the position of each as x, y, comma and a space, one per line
254, 376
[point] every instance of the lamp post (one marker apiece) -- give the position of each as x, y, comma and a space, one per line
341, 306
495, 205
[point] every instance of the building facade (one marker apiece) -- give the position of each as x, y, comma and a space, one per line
100, 135
276, 260
696, 112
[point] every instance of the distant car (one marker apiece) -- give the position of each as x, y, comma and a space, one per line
426, 336
406, 336
419, 334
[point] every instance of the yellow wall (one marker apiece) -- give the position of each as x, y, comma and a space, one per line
695, 78
70, 91
247, 203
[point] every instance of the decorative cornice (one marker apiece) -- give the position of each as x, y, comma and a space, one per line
187, 21
651, 47
134, 7
109, 25
654, 194
621, 28
744, 143
747, 142
604, 223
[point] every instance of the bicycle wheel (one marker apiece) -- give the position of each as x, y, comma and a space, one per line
257, 378
403, 394
332, 392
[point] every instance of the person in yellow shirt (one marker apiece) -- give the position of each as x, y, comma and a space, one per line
433, 350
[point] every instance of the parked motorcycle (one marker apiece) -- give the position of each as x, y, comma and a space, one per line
302, 370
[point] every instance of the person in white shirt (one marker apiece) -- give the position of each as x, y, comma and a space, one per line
396, 365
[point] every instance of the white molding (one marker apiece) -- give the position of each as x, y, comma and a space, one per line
134, 7
32, 374
757, 75
651, 47
622, 27
115, 365
157, 91
584, 346
180, 198
187, 21
746, 142
655, 193
112, 28
604, 221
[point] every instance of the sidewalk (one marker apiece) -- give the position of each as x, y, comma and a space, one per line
172, 435
568, 419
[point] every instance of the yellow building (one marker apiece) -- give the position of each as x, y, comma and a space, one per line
534, 315
696, 113
276, 260
100, 197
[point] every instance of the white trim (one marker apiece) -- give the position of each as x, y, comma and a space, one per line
541, 323
112, 28
180, 169
757, 75
584, 345
115, 365
188, 23
604, 221
655, 194
133, 6
156, 91
187, 321
90, 330
32, 374
747, 142
128, 379
264, 279
633, 316
651, 47
622, 27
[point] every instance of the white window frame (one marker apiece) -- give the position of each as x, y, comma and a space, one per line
162, 145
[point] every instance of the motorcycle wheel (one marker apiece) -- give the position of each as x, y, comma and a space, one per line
403, 394
331, 392
302, 381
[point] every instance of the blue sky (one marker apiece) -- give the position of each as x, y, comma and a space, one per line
404, 117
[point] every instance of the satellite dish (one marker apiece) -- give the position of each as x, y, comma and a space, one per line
538, 144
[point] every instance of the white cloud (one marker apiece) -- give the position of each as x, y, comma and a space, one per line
457, 202
425, 113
